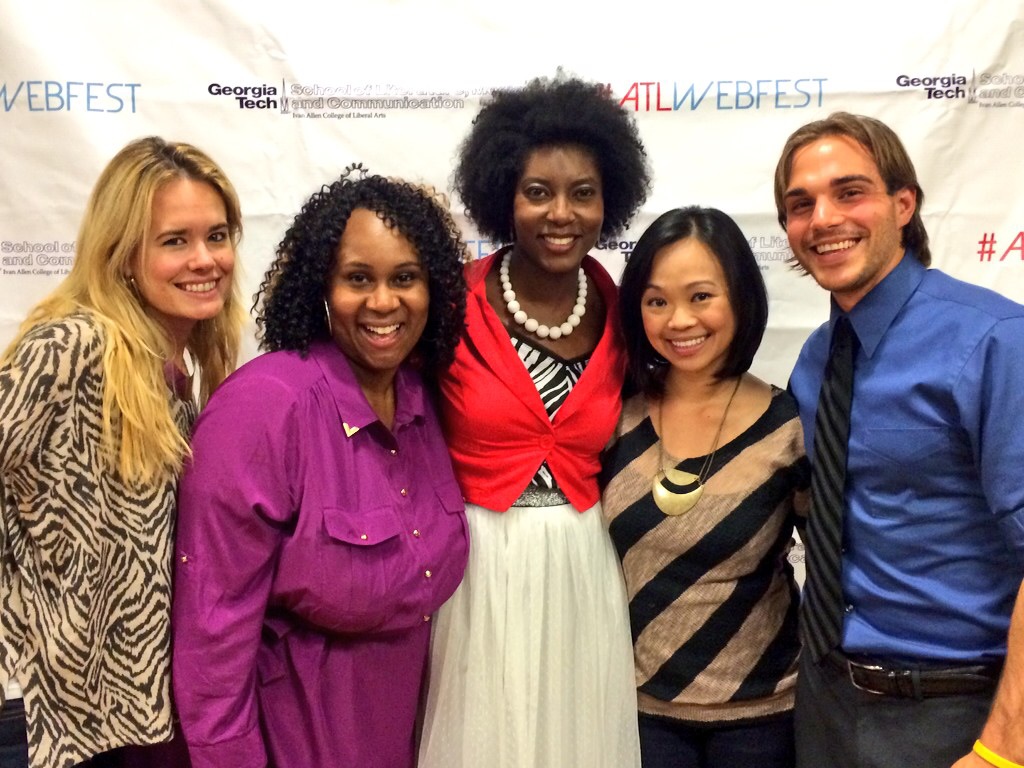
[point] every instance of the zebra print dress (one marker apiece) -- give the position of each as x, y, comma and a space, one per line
554, 379
85, 558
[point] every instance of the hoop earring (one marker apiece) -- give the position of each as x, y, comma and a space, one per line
133, 287
327, 311
657, 362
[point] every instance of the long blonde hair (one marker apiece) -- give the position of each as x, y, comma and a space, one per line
140, 436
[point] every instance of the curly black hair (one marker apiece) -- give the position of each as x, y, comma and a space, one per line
291, 297
544, 113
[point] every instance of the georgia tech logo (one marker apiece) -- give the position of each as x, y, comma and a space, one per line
248, 96
936, 87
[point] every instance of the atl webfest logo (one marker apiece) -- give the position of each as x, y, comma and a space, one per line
988, 247
69, 96
725, 95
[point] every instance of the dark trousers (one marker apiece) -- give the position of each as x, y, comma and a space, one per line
13, 744
14, 747
766, 743
842, 727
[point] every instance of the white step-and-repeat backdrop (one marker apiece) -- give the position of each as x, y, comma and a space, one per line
286, 94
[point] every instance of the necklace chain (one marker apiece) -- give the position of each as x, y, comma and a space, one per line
532, 325
677, 502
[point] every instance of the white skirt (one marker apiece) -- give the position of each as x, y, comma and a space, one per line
531, 658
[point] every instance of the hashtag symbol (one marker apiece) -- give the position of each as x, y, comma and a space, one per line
988, 246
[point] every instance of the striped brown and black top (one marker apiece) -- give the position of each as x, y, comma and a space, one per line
713, 600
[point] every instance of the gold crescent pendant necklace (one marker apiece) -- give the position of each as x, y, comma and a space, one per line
691, 487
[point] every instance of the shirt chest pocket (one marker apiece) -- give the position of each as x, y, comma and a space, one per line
361, 528
360, 563
927, 456
907, 447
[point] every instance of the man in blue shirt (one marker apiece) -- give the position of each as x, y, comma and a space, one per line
932, 553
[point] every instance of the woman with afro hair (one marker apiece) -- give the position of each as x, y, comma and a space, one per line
531, 663
320, 524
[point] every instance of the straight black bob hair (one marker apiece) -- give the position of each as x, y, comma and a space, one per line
747, 293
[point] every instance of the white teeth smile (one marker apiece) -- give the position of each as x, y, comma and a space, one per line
383, 330
559, 240
829, 247
687, 343
200, 287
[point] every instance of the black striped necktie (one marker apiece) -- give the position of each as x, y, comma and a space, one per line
822, 607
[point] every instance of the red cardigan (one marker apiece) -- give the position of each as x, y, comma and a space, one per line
497, 430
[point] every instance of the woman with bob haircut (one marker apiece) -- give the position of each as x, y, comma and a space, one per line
702, 485
96, 407
531, 661
320, 523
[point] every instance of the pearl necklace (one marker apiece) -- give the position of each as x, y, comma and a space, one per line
530, 324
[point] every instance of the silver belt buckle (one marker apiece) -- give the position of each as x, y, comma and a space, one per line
870, 667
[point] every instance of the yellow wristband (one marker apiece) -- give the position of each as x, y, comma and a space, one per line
992, 758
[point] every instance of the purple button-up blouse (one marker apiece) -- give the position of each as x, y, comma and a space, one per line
313, 545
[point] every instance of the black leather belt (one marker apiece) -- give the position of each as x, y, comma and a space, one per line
916, 683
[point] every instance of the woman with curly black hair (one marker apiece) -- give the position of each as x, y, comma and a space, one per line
532, 662
320, 524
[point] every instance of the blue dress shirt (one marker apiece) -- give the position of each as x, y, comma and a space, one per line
934, 533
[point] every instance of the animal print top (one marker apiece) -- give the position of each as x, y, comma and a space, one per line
554, 378
85, 559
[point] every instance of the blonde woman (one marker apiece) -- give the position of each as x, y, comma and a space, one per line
96, 405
